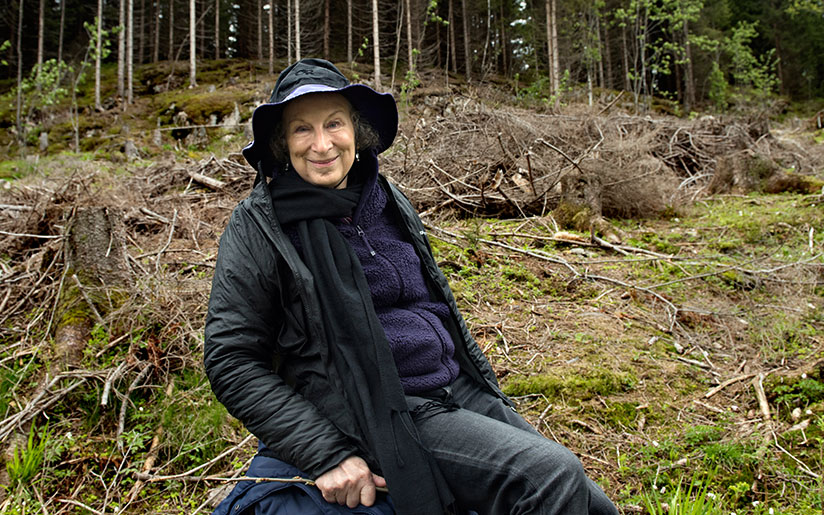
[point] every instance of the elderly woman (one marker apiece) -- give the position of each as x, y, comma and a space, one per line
334, 337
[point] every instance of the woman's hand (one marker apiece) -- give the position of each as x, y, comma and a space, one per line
350, 483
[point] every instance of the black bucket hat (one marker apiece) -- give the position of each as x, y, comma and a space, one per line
318, 76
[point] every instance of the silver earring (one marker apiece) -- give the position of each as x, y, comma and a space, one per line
357, 156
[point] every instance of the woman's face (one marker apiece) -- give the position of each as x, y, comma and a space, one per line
320, 136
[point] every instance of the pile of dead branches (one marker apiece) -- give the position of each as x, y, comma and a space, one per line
164, 221
457, 151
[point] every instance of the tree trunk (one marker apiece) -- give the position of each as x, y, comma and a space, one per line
398, 34
271, 38
130, 53
297, 31
20, 137
597, 16
171, 30
201, 27
625, 58
451, 40
376, 46
259, 18
438, 45
40, 24
556, 61
410, 58
156, 45
488, 34
193, 44
326, 30
217, 27
289, 31
608, 56
121, 51
690, 78
467, 51
142, 34
504, 46
60, 37
98, 51
349, 31
779, 61
549, 45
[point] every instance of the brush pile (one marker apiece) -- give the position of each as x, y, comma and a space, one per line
457, 151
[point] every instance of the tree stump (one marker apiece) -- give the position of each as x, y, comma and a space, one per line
94, 253
741, 172
746, 171
581, 205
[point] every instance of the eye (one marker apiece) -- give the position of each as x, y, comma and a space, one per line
335, 124
300, 129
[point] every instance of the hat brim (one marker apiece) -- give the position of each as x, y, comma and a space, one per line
379, 109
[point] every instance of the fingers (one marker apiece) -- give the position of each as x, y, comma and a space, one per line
366, 495
350, 483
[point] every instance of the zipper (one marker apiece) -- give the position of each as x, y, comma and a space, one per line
365, 240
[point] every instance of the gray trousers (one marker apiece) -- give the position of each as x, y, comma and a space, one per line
495, 462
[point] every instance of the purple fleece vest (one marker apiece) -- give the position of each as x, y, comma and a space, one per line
422, 347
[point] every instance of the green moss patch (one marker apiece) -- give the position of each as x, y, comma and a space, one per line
583, 386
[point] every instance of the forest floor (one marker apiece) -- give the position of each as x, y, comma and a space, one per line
676, 346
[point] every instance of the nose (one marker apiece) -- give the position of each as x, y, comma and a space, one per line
321, 142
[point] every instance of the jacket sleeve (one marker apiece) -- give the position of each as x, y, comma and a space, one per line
242, 325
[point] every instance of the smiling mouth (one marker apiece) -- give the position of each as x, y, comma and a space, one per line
324, 162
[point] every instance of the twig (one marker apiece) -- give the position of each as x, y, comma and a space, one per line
107, 387
153, 478
604, 110
758, 384
803, 465
709, 407
152, 214
80, 504
168, 242
297, 479
726, 383
9, 207
33, 408
688, 361
563, 154
121, 421
25, 235
88, 300
214, 184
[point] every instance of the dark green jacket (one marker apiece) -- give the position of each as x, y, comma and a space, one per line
265, 353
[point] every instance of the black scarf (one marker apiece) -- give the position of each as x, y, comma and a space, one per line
357, 347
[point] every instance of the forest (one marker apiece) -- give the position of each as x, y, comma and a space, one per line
624, 195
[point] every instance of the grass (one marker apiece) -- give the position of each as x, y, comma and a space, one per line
25, 463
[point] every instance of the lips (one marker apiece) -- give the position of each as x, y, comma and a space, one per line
324, 162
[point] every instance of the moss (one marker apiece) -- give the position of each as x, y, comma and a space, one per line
580, 387
199, 104
572, 216
621, 414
